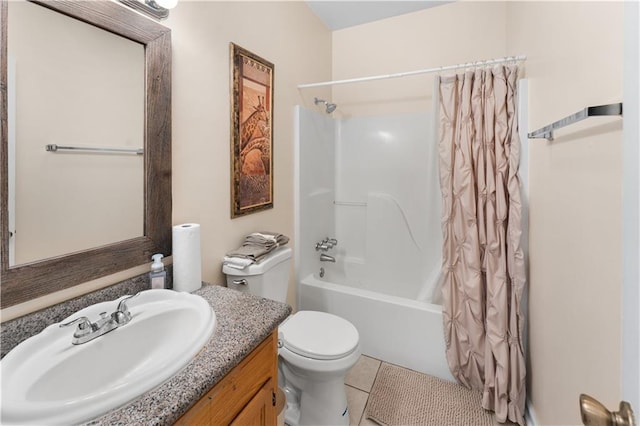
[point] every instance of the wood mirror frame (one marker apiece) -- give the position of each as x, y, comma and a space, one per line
27, 281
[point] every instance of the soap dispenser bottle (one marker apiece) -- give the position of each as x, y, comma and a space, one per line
158, 275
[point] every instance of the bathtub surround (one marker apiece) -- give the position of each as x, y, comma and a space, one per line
483, 262
371, 182
358, 174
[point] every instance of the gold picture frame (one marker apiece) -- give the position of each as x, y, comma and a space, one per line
251, 132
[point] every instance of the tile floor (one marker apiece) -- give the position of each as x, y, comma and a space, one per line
358, 384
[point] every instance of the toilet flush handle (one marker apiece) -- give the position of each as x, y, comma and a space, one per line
239, 282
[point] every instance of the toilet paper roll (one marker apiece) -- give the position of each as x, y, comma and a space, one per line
187, 265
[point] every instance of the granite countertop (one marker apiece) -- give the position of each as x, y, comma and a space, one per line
243, 322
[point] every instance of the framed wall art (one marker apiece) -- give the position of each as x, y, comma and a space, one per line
251, 132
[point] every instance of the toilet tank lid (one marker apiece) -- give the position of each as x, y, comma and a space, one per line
272, 259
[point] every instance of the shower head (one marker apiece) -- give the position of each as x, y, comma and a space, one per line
329, 107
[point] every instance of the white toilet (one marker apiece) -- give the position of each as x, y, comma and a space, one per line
316, 349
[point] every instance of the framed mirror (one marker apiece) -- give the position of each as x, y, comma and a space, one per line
25, 281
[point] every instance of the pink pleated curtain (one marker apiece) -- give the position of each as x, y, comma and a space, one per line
483, 262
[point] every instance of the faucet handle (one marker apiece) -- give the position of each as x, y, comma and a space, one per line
122, 315
122, 305
322, 246
330, 242
84, 326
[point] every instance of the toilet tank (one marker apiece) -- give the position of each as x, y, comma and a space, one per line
269, 278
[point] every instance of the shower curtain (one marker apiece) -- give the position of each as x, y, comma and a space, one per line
483, 262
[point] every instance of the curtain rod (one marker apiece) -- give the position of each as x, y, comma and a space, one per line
408, 73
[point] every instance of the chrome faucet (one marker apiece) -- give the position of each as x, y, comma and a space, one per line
87, 330
327, 258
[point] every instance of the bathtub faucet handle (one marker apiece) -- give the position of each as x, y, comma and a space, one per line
322, 246
326, 244
330, 242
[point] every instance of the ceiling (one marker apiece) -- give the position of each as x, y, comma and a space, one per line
337, 15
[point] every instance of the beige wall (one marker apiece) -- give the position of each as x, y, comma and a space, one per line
285, 33
575, 59
288, 35
444, 35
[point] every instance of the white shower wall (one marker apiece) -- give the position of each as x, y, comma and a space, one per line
372, 183
314, 180
387, 213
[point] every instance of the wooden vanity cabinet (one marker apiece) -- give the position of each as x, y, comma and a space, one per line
245, 396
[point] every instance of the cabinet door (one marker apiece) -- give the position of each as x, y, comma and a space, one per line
243, 383
260, 411
246, 387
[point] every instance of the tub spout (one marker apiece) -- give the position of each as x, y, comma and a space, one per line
327, 258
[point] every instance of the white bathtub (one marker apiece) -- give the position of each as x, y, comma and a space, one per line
401, 331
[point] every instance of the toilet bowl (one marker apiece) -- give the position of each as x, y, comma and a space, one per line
315, 349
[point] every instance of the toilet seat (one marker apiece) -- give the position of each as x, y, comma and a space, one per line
319, 335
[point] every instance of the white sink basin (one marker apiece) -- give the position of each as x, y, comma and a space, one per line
46, 380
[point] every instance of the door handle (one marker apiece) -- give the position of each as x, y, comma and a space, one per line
594, 413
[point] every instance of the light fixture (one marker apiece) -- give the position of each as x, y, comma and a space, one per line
158, 9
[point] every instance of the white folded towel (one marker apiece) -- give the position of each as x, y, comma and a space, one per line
237, 262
